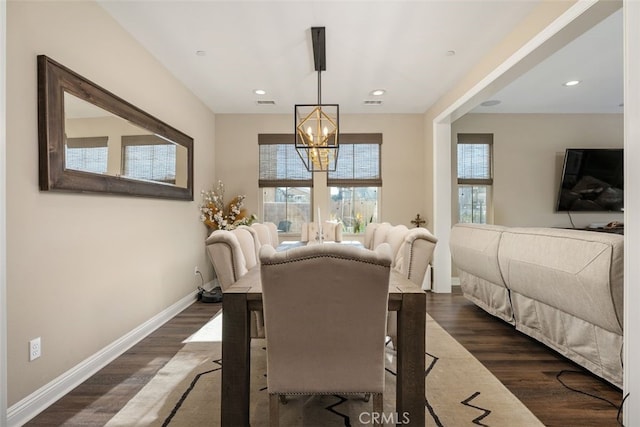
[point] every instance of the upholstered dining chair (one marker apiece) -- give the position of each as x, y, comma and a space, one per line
412, 251
233, 253
267, 233
369, 231
331, 231
325, 311
380, 234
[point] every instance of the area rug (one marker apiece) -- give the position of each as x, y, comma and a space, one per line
460, 391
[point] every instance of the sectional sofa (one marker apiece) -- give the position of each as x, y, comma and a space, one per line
561, 287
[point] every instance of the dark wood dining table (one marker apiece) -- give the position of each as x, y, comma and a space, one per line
244, 296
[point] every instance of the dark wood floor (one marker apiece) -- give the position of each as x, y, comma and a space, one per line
526, 367
99, 398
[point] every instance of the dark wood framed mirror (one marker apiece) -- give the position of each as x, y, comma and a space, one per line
90, 140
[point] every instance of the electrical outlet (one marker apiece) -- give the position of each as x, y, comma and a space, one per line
35, 349
196, 271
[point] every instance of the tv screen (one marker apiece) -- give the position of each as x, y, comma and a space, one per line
592, 180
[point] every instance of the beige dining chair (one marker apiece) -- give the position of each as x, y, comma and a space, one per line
233, 253
369, 231
325, 311
267, 233
331, 231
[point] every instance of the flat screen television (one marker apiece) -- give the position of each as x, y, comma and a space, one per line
592, 180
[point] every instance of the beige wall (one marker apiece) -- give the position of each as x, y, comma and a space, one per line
458, 99
403, 166
550, 26
528, 152
83, 270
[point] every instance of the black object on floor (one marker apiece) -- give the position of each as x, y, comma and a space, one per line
214, 295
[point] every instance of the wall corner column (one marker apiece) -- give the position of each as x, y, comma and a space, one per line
442, 205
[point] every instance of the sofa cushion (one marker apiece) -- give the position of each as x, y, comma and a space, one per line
578, 272
474, 249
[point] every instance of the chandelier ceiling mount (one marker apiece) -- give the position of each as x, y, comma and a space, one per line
316, 125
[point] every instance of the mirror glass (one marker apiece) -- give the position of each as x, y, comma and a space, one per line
90, 140
98, 141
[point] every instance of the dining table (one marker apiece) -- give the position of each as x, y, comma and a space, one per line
245, 296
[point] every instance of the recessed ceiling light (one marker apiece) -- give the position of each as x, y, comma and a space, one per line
201, 52
490, 103
572, 83
260, 92
378, 92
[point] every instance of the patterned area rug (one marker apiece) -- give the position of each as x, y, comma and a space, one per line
460, 391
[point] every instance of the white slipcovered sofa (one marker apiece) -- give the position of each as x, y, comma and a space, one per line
561, 287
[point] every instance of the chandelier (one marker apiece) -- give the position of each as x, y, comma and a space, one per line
316, 125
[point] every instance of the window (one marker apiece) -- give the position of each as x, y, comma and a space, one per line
355, 184
286, 184
149, 157
355, 207
87, 154
475, 177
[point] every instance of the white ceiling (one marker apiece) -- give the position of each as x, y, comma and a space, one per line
400, 46
595, 59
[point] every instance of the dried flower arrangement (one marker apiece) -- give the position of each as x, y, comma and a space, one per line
218, 216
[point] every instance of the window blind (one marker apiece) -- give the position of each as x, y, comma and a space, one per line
359, 161
87, 142
87, 154
149, 157
475, 159
280, 164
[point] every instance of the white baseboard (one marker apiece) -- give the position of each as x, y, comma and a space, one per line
27, 408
